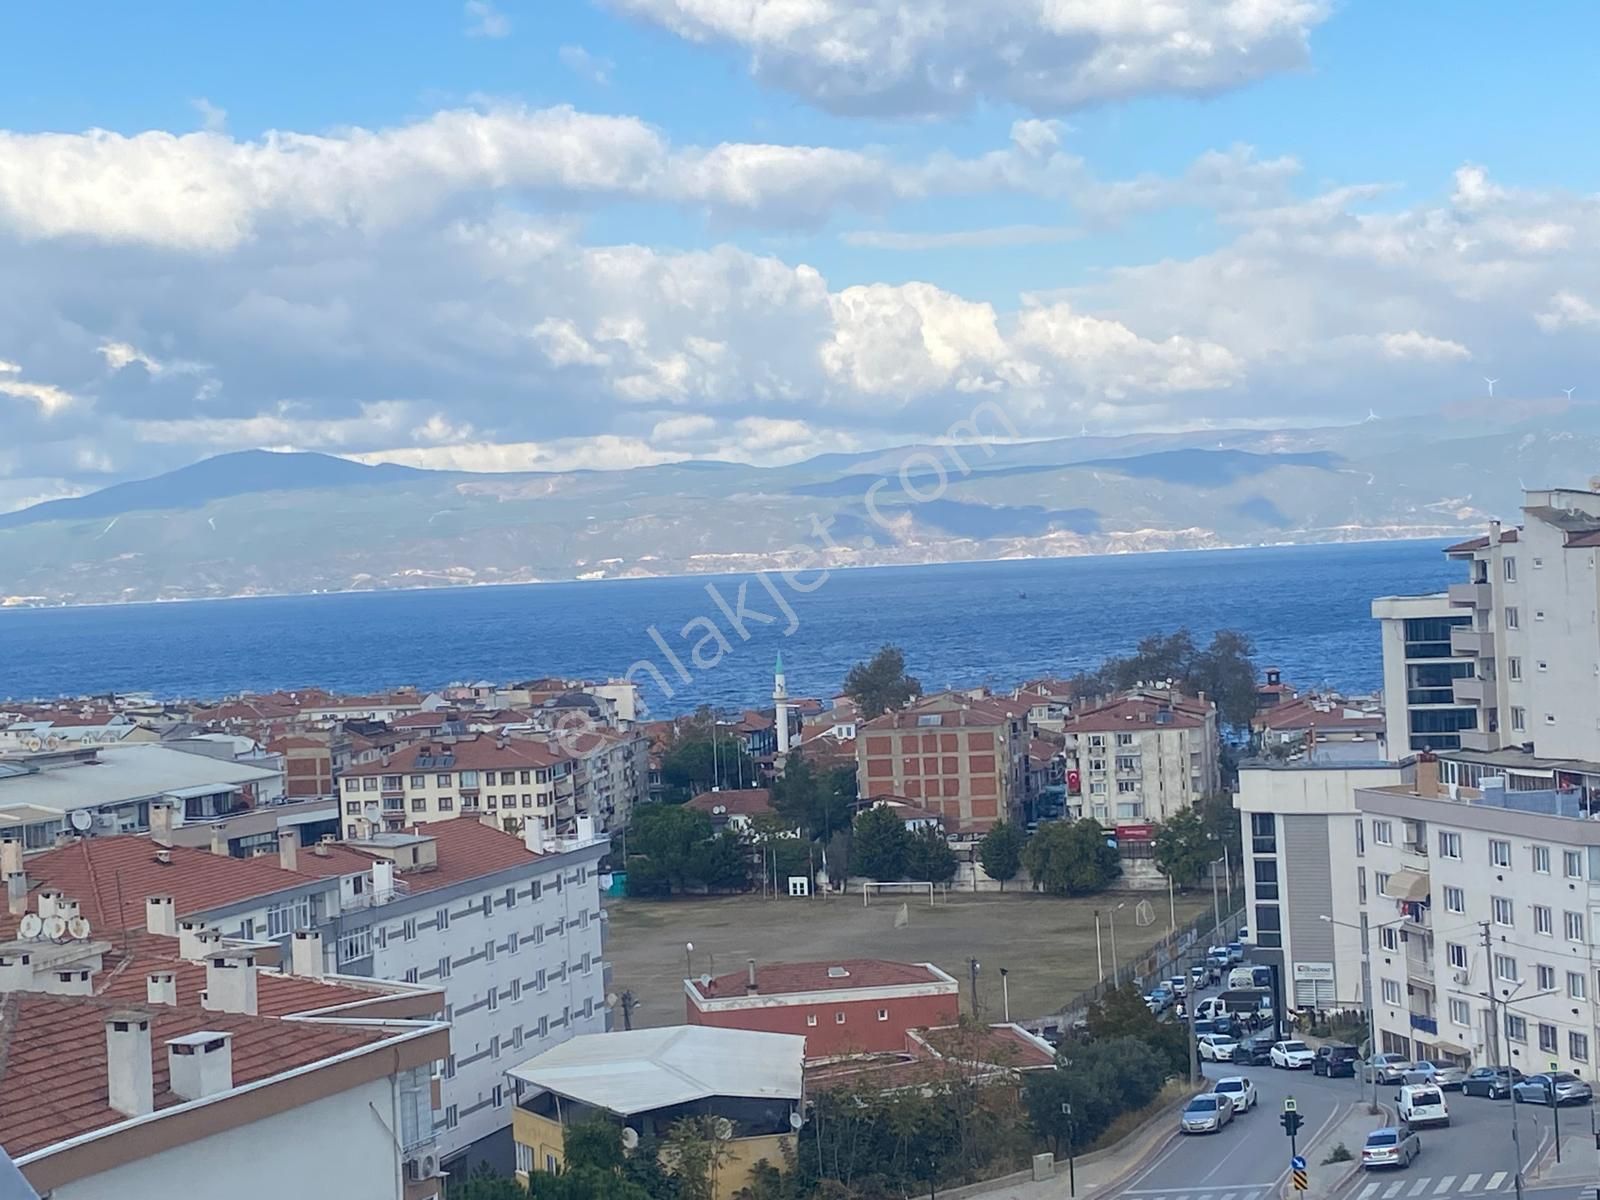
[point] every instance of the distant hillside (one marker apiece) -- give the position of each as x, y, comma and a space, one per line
259, 522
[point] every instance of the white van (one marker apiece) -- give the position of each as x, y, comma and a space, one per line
1423, 1104
1242, 977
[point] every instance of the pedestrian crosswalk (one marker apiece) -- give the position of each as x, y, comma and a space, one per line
1237, 1191
1412, 1187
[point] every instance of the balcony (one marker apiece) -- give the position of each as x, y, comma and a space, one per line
1472, 690
1472, 595
1419, 968
1414, 857
1482, 740
1471, 643
1424, 1023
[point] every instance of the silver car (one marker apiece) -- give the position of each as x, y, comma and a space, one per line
1446, 1076
1388, 1068
1537, 1089
1206, 1113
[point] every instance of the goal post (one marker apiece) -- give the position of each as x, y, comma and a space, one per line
894, 886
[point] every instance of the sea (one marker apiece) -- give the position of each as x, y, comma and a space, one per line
714, 639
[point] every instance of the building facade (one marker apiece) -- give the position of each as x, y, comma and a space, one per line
1420, 670
1141, 758
969, 764
441, 780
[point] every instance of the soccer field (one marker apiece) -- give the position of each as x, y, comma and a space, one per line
1046, 943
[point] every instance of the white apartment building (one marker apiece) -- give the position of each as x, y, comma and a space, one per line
1304, 875
1420, 669
1142, 757
1449, 866
443, 779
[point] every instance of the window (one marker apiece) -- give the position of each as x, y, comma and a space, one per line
1542, 665
1361, 884
883, 1014
1538, 614
488, 950
1574, 926
1391, 992
1457, 954
1513, 668
1455, 900
811, 1020
524, 1159
352, 808
1505, 967
444, 967
1519, 718
1578, 1047
511, 897
1513, 619
357, 943
1501, 908
1460, 1012
284, 919
1361, 838
1383, 833
1499, 853
419, 806
1449, 845
409, 930
442, 780
1389, 937
369, 783
1546, 977
1572, 863
451, 1117
1381, 880
1124, 739
469, 779
1516, 1027
447, 804
419, 781
1541, 860
539, 981
411, 975
442, 918
1511, 570
1127, 762
1127, 786
351, 783
1266, 871
1547, 1038
1577, 985
538, 890
492, 998
1097, 788
838, 1018
1543, 920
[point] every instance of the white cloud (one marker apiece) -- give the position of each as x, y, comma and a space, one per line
48, 398
590, 67
1568, 310
485, 20
212, 118
1413, 344
933, 56
999, 235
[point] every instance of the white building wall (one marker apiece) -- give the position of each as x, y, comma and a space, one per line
1560, 623
342, 1145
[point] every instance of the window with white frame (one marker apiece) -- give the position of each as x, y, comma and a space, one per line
1460, 1012
1547, 1037
1501, 908
1391, 992
1545, 977
284, 919
355, 944
1449, 844
524, 1158
1389, 937
1572, 864
1383, 833
1511, 570
1541, 859
1577, 985
1513, 618
1519, 718
1578, 1047
1573, 923
1499, 853
1455, 900
1380, 880
1513, 668
1544, 920
1505, 967
1516, 1027
1457, 954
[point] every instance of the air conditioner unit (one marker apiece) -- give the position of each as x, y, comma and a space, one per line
422, 1164
1460, 977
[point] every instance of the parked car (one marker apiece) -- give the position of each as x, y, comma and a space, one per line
1178, 985
1390, 1146
1422, 1104
1165, 993
1558, 1087
1292, 1056
1206, 1113
1199, 975
1235, 952
1244, 935
1254, 1051
1216, 1047
1336, 1060
1217, 956
1493, 1082
1388, 1068
1239, 1090
1447, 1076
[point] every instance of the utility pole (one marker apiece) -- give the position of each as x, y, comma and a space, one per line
1099, 955
1191, 1000
972, 967
627, 1002
1005, 994
1494, 1016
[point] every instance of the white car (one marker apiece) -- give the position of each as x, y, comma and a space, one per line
1422, 1104
1216, 1047
1293, 1056
1239, 1090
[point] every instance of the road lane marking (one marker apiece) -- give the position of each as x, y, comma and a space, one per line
1470, 1182
1444, 1185
1366, 1192
1495, 1180
1231, 1195
1419, 1187
1394, 1190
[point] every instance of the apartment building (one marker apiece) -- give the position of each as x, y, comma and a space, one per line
441, 780
1142, 757
1479, 891
307, 766
611, 774
1420, 670
967, 760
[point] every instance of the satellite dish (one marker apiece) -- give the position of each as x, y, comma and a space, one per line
630, 1138
78, 927
81, 820
55, 928
32, 743
796, 1119
611, 1000
52, 742
724, 1129
31, 926
705, 981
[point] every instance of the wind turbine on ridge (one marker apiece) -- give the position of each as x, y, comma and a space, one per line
1491, 383
1569, 391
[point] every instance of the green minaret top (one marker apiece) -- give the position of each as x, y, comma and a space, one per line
778, 670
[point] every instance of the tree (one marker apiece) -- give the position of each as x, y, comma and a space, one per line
1096, 1083
484, 1184
928, 856
878, 844
697, 764
669, 837
695, 1153
1225, 671
881, 683
1183, 847
1000, 852
817, 804
1122, 1013
720, 863
1071, 858
595, 1143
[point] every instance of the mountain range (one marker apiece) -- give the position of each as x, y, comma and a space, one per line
258, 522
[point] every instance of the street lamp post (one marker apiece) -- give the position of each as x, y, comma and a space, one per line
1099, 954
1005, 994
1111, 922
1366, 994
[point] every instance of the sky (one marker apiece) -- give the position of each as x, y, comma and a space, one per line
610, 233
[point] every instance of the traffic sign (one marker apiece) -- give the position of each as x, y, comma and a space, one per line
1288, 1104
1301, 1181
1298, 1162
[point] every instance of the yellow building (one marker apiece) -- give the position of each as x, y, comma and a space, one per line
751, 1086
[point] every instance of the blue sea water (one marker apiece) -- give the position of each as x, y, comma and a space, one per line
1306, 607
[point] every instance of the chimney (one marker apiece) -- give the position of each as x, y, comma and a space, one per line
128, 1069
47, 902
533, 834
16, 971
161, 987
17, 893
200, 1064
191, 940
10, 856
231, 984
160, 916
321, 848
219, 840
161, 822
382, 882
305, 955
1427, 774
66, 909
750, 984
288, 848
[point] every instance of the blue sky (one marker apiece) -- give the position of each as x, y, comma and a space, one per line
1348, 203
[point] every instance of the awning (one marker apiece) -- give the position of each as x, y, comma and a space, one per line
1451, 1048
1407, 885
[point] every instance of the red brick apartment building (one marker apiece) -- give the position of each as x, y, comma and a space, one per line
965, 760
852, 1006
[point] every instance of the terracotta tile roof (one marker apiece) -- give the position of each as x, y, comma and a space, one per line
53, 1078
778, 979
422, 720
1042, 750
295, 742
1481, 543
967, 717
1304, 713
1135, 713
465, 754
747, 802
467, 849
324, 862
998, 1045
1582, 540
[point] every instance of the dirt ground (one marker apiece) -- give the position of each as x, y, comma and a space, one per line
1046, 943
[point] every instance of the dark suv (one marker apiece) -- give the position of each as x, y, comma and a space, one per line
1254, 1051
1336, 1059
